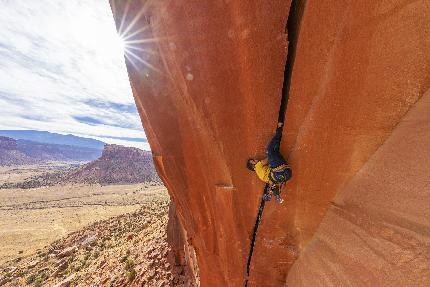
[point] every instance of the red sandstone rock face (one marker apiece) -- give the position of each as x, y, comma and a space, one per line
360, 66
376, 231
213, 99
211, 105
182, 255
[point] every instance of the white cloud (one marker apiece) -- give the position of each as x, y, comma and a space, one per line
62, 70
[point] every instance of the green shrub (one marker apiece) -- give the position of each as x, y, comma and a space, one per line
131, 275
38, 282
31, 278
43, 275
129, 264
123, 259
87, 256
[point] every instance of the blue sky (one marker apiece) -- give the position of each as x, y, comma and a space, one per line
62, 70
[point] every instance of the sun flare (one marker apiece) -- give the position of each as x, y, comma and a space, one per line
136, 42
121, 42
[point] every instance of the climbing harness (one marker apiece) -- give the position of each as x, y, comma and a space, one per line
280, 174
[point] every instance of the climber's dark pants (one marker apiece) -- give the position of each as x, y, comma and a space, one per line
274, 156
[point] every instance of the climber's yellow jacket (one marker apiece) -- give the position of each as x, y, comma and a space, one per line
263, 171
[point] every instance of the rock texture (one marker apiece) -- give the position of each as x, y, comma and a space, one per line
182, 253
376, 231
207, 79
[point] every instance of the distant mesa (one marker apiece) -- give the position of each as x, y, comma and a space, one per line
117, 165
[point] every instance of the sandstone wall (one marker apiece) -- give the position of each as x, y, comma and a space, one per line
359, 67
182, 255
376, 232
208, 88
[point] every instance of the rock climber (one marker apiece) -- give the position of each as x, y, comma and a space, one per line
274, 169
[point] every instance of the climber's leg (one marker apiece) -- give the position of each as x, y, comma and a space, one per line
274, 144
274, 156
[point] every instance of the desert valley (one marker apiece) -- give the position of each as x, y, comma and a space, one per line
83, 223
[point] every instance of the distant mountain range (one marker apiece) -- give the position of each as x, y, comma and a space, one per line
53, 138
19, 152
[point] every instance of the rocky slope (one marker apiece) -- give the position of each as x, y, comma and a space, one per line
208, 93
10, 155
129, 250
20, 152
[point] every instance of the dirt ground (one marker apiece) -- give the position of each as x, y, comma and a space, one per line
127, 250
33, 218
14, 174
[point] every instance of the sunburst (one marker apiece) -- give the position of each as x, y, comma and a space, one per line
135, 40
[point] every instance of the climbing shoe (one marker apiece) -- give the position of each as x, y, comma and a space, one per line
267, 197
278, 199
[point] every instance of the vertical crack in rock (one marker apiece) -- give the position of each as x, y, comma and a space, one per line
254, 234
293, 28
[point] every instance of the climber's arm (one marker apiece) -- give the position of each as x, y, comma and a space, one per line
264, 161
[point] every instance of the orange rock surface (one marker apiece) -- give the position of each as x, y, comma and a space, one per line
207, 79
359, 67
376, 232
208, 89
